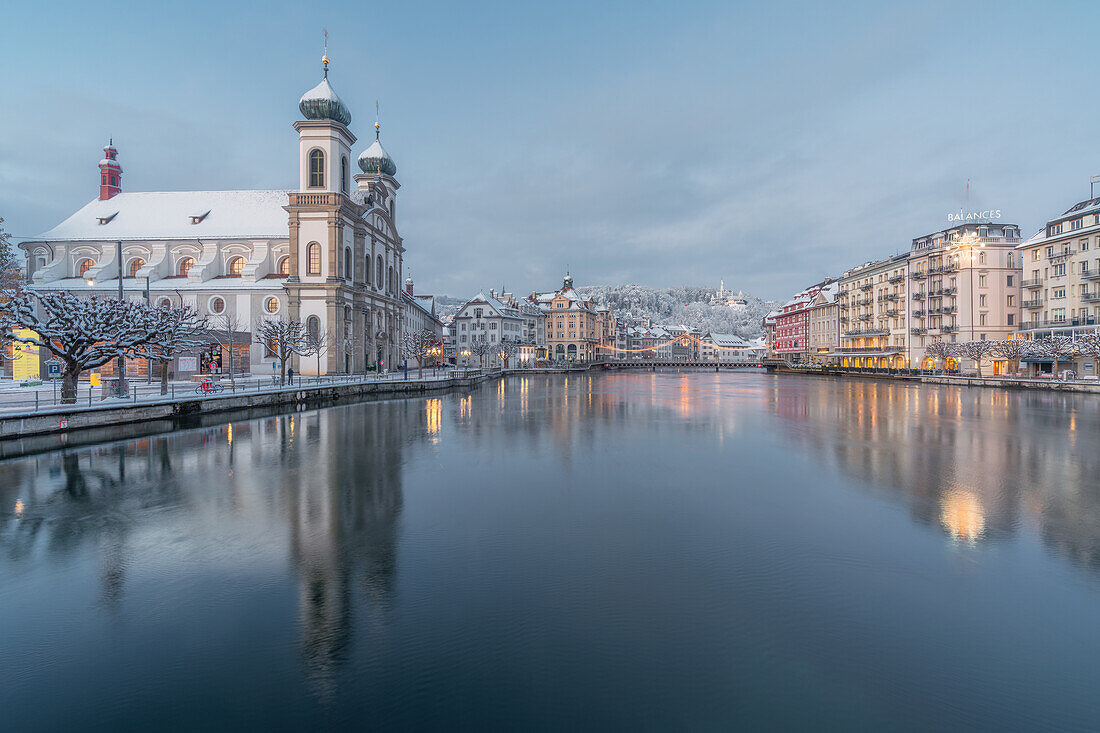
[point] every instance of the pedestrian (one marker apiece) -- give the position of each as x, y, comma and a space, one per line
290, 373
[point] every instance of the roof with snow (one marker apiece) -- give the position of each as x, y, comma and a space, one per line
322, 103
177, 215
727, 340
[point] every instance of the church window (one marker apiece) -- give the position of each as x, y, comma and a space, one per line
389, 280
348, 273
313, 256
164, 303
381, 274
217, 306
136, 264
313, 327
84, 266
316, 169
344, 174
366, 270
114, 181
271, 305
185, 266
284, 266
236, 266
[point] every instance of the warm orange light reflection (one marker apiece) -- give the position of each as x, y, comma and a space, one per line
433, 413
962, 515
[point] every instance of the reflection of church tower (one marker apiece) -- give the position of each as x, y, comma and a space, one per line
344, 509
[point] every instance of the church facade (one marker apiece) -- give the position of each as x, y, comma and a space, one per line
327, 254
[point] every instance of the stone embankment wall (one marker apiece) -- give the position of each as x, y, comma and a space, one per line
74, 417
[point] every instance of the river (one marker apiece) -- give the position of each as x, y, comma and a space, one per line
691, 551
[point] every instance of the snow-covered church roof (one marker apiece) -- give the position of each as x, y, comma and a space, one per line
177, 215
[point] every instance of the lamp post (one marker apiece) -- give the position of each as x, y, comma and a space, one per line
121, 358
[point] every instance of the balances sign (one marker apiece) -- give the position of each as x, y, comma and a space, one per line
987, 215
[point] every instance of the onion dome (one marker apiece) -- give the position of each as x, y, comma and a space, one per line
375, 159
322, 103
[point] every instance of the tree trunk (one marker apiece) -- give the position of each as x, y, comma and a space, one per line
164, 376
420, 368
68, 383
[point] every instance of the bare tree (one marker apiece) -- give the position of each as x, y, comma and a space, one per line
178, 330
283, 338
481, 348
977, 351
11, 271
1013, 350
1057, 349
940, 351
1088, 345
417, 345
508, 349
234, 326
316, 344
84, 333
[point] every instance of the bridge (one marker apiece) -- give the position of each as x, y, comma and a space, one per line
676, 364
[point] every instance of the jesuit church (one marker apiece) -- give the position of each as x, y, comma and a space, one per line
327, 254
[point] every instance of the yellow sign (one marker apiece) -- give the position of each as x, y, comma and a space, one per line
93, 378
24, 363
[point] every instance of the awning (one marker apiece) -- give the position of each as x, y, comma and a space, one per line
1041, 360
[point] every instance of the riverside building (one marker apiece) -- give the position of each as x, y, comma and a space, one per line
872, 317
964, 286
1061, 279
327, 254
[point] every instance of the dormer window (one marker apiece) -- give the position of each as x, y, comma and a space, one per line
197, 218
106, 219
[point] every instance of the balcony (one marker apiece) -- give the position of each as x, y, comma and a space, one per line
918, 296
1091, 297
865, 317
887, 297
1089, 274
918, 314
949, 328
891, 312
948, 310
1059, 256
935, 311
885, 348
1037, 303
896, 279
949, 291
1054, 323
917, 275
857, 332
918, 331
1035, 283
866, 286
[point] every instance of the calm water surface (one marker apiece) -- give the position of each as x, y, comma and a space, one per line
632, 551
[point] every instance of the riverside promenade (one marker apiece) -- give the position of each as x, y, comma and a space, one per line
25, 418
1034, 383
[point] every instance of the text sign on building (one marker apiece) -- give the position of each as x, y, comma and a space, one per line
985, 215
189, 363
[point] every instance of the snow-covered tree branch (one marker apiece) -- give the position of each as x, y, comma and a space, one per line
417, 345
283, 338
177, 330
83, 333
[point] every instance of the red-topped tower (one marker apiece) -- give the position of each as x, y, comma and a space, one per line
110, 173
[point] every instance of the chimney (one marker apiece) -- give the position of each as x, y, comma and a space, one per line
110, 173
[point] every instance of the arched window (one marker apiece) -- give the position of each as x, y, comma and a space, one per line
271, 305
366, 270
185, 265
84, 266
349, 273
136, 264
217, 305
316, 169
313, 326
236, 267
284, 266
381, 272
313, 257
389, 280
981, 258
344, 174
164, 303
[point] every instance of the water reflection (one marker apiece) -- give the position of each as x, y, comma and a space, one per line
473, 551
979, 464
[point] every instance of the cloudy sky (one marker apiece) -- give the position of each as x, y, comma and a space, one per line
770, 144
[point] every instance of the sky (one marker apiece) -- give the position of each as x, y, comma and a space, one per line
769, 144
